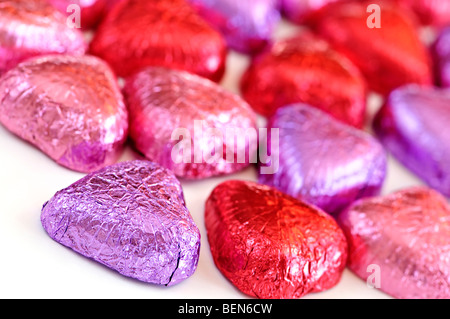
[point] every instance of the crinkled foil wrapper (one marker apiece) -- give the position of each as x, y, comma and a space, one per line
271, 246
172, 118
31, 27
140, 33
414, 126
300, 11
441, 55
91, 11
247, 25
389, 56
400, 243
69, 107
304, 69
130, 217
323, 161
433, 13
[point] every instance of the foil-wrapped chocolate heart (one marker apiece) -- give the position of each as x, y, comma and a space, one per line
90, 11
433, 13
130, 217
270, 245
323, 161
400, 243
414, 125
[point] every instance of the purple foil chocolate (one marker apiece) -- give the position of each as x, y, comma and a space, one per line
400, 243
414, 125
31, 27
130, 217
323, 161
189, 124
69, 107
246, 25
441, 55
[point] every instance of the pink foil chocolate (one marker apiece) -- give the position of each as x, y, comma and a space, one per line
304, 69
270, 245
69, 107
130, 217
140, 33
189, 124
435, 12
414, 125
30, 28
441, 55
91, 11
246, 25
323, 161
400, 243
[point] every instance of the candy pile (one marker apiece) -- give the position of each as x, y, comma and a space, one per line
149, 72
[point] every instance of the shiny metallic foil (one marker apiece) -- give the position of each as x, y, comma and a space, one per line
246, 25
389, 56
441, 55
172, 118
300, 10
270, 245
414, 126
140, 33
69, 107
400, 243
32, 27
435, 13
91, 10
130, 217
323, 161
304, 69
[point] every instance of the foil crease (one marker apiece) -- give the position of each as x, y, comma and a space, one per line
140, 33
304, 69
246, 25
270, 245
413, 125
91, 11
69, 107
400, 243
441, 57
162, 102
130, 217
389, 55
323, 161
30, 28
432, 13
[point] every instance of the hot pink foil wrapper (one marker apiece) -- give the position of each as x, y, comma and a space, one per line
69, 107
300, 10
91, 10
400, 243
163, 101
441, 55
32, 27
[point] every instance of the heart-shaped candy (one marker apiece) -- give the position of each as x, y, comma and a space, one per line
33, 27
323, 161
132, 218
441, 55
382, 41
414, 125
90, 11
246, 25
304, 69
69, 107
270, 245
140, 33
400, 243
189, 124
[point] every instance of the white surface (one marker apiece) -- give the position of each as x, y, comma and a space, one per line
34, 266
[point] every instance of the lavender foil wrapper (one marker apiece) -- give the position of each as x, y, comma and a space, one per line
400, 243
414, 126
246, 25
323, 161
441, 56
130, 217
69, 107
31, 27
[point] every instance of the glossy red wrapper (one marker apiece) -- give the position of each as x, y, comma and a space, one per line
400, 243
140, 33
389, 56
30, 28
304, 69
430, 12
91, 11
270, 245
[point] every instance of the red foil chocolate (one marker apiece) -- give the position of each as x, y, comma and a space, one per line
430, 12
305, 69
91, 11
270, 245
140, 33
389, 55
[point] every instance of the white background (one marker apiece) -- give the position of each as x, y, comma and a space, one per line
34, 266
